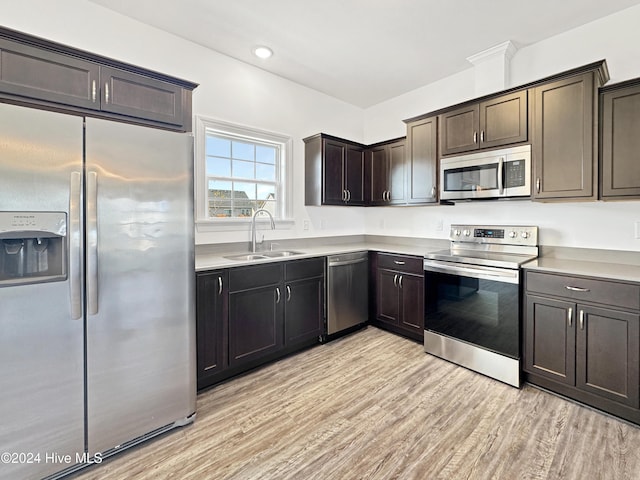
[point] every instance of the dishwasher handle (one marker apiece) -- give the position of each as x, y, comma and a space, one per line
338, 263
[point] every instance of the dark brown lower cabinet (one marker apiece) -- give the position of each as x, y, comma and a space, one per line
211, 325
250, 315
398, 283
304, 301
585, 351
255, 323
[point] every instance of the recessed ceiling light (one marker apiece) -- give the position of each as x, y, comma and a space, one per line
262, 52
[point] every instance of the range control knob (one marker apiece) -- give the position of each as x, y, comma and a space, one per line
456, 232
467, 233
525, 234
513, 234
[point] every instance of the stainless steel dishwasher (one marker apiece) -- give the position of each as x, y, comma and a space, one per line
347, 291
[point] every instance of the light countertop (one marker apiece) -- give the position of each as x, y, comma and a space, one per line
608, 264
608, 270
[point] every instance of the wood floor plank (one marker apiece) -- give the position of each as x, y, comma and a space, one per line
374, 406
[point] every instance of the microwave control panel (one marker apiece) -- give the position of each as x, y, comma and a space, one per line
514, 173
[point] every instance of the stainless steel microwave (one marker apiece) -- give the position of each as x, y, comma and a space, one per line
494, 174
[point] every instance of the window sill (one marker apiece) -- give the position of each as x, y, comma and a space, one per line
240, 225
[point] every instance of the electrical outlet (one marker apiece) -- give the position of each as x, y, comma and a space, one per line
305, 224
637, 229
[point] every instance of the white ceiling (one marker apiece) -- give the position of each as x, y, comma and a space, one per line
364, 51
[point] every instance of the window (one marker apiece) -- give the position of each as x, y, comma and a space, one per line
240, 170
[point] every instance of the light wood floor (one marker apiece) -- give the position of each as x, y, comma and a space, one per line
374, 406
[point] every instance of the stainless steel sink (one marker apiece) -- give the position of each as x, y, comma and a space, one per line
247, 257
281, 253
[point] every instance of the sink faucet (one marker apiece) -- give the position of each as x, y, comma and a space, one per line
253, 227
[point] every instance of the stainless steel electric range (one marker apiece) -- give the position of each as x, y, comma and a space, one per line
472, 298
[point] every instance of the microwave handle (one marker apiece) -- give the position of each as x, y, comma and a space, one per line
501, 176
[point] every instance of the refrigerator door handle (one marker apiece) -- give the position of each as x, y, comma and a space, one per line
92, 243
75, 279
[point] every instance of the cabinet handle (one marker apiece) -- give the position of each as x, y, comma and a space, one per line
106, 92
388, 195
576, 289
482, 136
219, 285
344, 195
395, 280
538, 185
288, 293
398, 262
581, 319
93, 91
277, 294
400, 281
475, 137
348, 195
570, 315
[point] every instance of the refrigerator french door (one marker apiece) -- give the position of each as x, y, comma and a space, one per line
97, 329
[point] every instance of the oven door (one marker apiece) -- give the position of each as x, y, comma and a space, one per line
475, 304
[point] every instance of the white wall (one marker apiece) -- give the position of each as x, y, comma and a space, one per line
236, 92
229, 90
615, 38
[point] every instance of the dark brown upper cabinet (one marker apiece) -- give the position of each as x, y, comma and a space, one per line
497, 121
45, 74
564, 139
422, 161
565, 134
32, 72
334, 171
620, 141
138, 96
385, 179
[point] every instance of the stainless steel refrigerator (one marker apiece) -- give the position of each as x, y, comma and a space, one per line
97, 321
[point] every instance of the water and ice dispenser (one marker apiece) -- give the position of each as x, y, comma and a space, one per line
33, 247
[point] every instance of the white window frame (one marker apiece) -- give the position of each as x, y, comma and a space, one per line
284, 174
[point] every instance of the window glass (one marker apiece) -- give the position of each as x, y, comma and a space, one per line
243, 174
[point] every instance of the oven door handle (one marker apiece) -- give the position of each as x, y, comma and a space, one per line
503, 275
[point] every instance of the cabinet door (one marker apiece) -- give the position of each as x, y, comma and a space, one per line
354, 175
422, 157
459, 130
621, 143
255, 323
563, 139
396, 153
412, 303
387, 296
377, 175
137, 96
333, 175
607, 354
304, 305
43, 75
550, 338
211, 327
503, 120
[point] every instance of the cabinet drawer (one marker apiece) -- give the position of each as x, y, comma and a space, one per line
307, 268
402, 263
585, 289
244, 278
